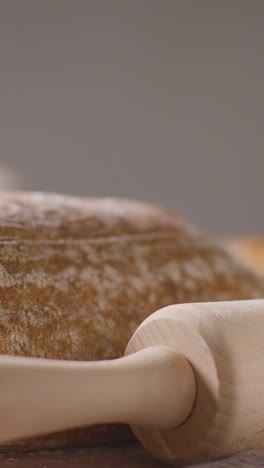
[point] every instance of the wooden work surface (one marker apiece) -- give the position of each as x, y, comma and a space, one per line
132, 455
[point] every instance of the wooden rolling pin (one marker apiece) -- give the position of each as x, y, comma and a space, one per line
191, 385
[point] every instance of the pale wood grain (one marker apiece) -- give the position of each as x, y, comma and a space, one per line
224, 343
154, 386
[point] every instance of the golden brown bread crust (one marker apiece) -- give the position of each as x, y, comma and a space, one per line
78, 276
43, 216
248, 249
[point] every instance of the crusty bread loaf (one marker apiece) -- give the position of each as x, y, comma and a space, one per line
77, 276
248, 249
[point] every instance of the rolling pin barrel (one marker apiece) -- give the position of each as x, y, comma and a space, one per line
224, 343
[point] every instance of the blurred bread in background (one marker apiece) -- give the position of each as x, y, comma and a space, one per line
248, 249
9, 179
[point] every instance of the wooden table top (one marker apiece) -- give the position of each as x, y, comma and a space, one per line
125, 456
130, 455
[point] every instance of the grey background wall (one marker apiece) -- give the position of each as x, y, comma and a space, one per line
160, 100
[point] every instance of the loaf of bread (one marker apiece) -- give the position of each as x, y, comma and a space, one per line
248, 249
77, 276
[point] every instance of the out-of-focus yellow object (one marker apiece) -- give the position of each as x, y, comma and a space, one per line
249, 249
